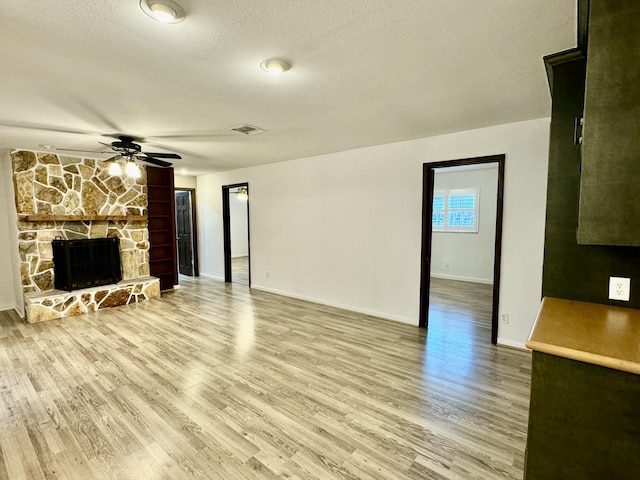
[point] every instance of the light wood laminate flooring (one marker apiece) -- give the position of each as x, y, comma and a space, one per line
461, 310
240, 270
215, 381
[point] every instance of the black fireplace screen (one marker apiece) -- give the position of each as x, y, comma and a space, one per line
86, 263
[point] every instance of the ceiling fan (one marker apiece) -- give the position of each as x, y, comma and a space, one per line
126, 147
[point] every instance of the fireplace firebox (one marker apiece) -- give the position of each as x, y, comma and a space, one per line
86, 263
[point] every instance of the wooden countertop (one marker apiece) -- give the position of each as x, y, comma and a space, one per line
588, 332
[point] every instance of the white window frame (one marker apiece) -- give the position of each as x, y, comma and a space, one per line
457, 228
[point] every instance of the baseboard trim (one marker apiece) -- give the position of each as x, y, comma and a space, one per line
8, 308
206, 275
462, 279
364, 311
513, 344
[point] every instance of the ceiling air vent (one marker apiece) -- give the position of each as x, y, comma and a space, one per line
247, 129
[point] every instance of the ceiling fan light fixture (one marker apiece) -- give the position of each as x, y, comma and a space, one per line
115, 169
275, 66
132, 170
165, 11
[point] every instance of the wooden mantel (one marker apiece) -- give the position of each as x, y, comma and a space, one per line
80, 218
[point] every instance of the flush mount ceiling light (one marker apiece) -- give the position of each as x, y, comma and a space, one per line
275, 66
242, 194
162, 13
165, 11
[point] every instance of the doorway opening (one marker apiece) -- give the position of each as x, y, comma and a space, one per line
429, 219
186, 232
235, 219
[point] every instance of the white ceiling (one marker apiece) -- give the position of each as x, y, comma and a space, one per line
365, 72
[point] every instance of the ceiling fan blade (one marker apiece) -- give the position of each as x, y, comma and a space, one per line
154, 161
163, 155
45, 128
73, 150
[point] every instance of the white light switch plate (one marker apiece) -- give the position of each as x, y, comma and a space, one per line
619, 288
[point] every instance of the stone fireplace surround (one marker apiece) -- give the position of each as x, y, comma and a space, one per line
76, 198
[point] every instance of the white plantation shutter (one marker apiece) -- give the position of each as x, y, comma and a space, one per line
456, 210
437, 218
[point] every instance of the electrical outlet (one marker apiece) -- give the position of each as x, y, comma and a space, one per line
619, 288
504, 318
267, 274
446, 264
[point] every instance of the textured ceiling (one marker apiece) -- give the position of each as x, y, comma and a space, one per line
364, 73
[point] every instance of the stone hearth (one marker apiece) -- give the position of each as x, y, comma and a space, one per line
42, 306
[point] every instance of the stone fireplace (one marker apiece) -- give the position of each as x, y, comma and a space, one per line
75, 198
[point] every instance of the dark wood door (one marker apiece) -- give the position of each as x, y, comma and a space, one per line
185, 232
162, 227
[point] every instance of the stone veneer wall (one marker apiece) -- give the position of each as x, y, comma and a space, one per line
50, 184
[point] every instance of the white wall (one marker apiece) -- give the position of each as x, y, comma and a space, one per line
10, 283
238, 226
345, 228
184, 181
467, 256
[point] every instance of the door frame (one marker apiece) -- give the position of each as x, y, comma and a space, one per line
194, 228
428, 174
226, 230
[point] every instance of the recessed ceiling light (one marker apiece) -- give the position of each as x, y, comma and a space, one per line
165, 11
275, 66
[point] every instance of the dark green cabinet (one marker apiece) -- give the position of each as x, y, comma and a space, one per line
609, 212
584, 421
570, 270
